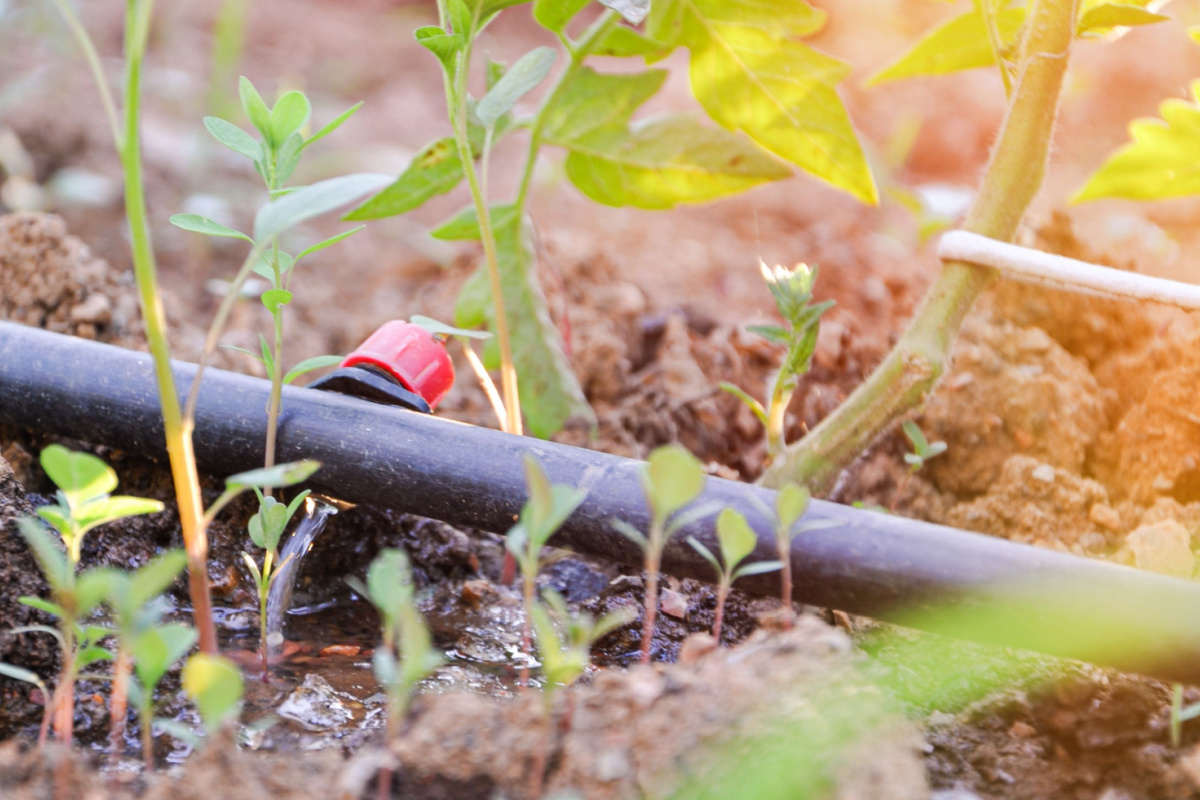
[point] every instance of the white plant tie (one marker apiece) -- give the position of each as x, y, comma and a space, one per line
1027, 265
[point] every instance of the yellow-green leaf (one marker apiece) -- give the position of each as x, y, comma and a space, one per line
433, 171
751, 74
1162, 161
667, 161
673, 478
592, 101
1100, 20
958, 44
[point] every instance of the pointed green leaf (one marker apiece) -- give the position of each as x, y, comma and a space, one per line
289, 157
442, 330
958, 44
442, 44
332, 240
667, 161
110, 509
530, 70
58, 517
80, 476
736, 537
553, 15
1162, 161
919, 443
41, 604
52, 560
274, 477
256, 110
707, 554
158, 648
311, 201
332, 126
199, 224
464, 225
290, 114
310, 364
631, 533
435, 170
153, 579
790, 504
234, 138
1101, 19
672, 478
20, 674
591, 101
751, 74
757, 568
621, 42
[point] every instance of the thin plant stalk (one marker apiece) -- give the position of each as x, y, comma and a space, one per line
178, 430
652, 566
1013, 178
93, 61
485, 380
122, 666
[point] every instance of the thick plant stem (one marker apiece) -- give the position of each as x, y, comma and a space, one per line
919, 359
178, 435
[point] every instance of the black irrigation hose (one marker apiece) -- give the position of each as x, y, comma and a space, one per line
869, 563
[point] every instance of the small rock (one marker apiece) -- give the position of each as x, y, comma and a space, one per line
315, 705
1190, 764
1105, 516
1093, 543
1163, 547
674, 604
1022, 730
1043, 473
695, 647
96, 309
341, 650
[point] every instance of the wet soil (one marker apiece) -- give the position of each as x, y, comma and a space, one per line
1072, 423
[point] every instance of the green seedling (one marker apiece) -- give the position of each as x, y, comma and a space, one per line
922, 451
84, 502
671, 479
214, 685
653, 164
792, 290
146, 647
791, 502
406, 655
544, 512
266, 529
737, 542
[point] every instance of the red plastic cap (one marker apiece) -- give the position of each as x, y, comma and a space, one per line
411, 355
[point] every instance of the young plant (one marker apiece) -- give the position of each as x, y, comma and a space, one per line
214, 685
155, 649
737, 541
922, 451
544, 512
792, 290
84, 501
406, 655
266, 528
671, 479
791, 502
658, 163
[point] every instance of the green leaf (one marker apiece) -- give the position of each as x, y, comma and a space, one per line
530, 70
442, 330
215, 685
290, 114
772, 333
289, 157
57, 516
274, 477
631, 533
707, 554
667, 161
435, 170
459, 16
672, 478
958, 44
553, 15
90, 655
389, 583
332, 126
442, 44
736, 537
1101, 19
153, 579
234, 138
157, 648
52, 560
332, 240
275, 299
80, 476
310, 364
464, 225
790, 504
199, 224
41, 604
757, 568
110, 509
751, 74
256, 110
312, 201
1162, 161
549, 391
20, 674
592, 102
919, 443
621, 41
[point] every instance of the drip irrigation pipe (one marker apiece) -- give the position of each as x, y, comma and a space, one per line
920, 574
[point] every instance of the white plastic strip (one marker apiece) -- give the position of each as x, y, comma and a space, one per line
1027, 265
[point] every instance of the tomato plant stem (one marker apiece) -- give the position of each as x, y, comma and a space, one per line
913, 367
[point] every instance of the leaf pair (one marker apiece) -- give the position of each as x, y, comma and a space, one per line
671, 479
544, 512
267, 525
564, 639
737, 541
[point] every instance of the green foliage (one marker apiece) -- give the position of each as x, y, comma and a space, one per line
1161, 160
84, 498
268, 524
214, 684
922, 448
407, 654
435, 170
737, 541
565, 639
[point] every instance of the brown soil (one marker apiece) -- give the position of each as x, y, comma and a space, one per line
1071, 423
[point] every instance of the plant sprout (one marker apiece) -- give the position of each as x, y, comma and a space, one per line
922, 451
737, 541
544, 512
266, 528
791, 502
671, 479
792, 290
406, 655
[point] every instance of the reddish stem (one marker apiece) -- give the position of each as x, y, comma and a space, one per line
651, 607
120, 697
718, 621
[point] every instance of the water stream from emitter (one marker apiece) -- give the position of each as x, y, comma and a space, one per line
316, 512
